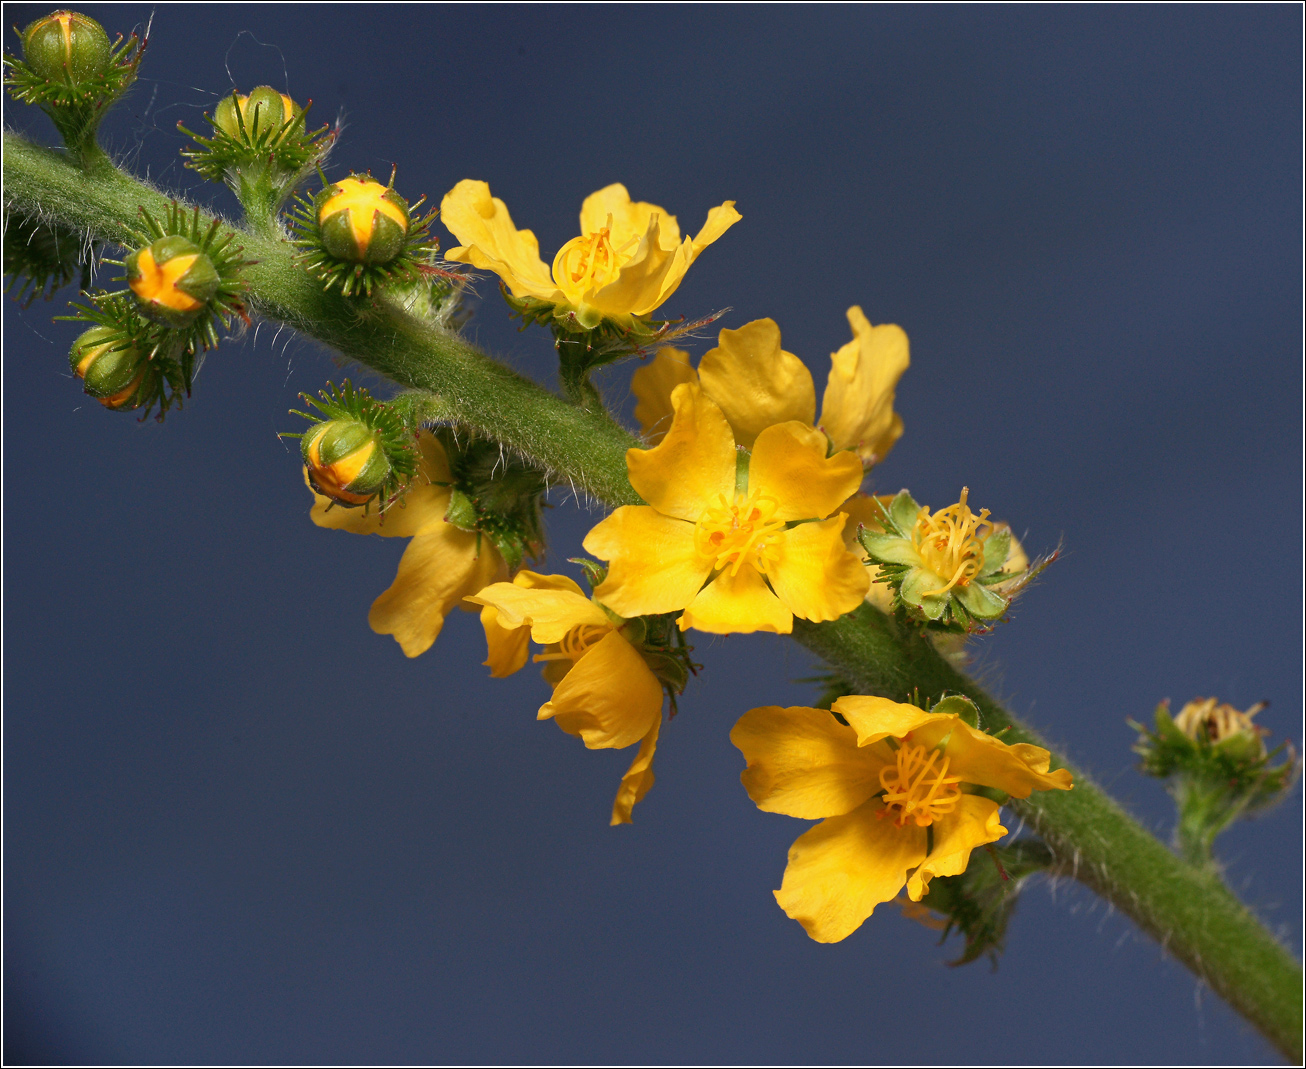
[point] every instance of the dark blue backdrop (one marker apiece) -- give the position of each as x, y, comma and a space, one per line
241, 827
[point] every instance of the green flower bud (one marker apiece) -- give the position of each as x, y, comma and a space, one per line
172, 280
362, 221
345, 461
112, 370
66, 46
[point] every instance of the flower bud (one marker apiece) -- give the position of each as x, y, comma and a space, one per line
172, 280
362, 221
345, 461
66, 46
112, 369
262, 110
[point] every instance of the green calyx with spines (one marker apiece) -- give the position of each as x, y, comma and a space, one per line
944, 572
496, 495
73, 73
260, 148
332, 252
179, 233
349, 417
41, 257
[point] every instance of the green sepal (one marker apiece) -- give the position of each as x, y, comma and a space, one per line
902, 513
76, 96
461, 512
595, 572
665, 651
960, 706
41, 257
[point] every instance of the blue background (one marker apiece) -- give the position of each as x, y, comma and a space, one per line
241, 827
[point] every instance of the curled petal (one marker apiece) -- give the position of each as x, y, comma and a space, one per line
638, 778
790, 465
879, 718
629, 219
843, 868
508, 644
1018, 768
804, 763
653, 567
548, 611
610, 698
857, 411
816, 576
973, 823
694, 465
719, 220
490, 242
755, 382
439, 568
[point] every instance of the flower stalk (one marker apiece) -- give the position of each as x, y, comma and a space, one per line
1185, 907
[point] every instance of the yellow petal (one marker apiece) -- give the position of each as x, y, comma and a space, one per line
973, 823
846, 866
864, 510
857, 411
610, 698
549, 612
652, 385
653, 565
878, 718
507, 646
790, 465
438, 569
804, 763
630, 219
422, 508
980, 758
737, 604
755, 382
638, 778
816, 576
637, 289
490, 241
719, 220
693, 465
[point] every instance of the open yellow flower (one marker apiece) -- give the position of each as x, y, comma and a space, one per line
892, 789
442, 564
628, 260
758, 384
603, 690
725, 544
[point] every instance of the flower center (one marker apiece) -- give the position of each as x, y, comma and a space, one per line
590, 262
950, 543
732, 533
575, 643
918, 787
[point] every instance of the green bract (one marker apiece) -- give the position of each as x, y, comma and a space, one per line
946, 567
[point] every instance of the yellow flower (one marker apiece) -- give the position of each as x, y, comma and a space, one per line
603, 690
628, 260
892, 789
440, 567
711, 521
758, 384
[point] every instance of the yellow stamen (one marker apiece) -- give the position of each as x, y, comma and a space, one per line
362, 200
950, 543
158, 282
575, 643
590, 262
738, 532
914, 788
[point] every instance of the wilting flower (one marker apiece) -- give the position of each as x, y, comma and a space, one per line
628, 260
723, 542
758, 384
603, 690
893, 789
1211, 720
440, 567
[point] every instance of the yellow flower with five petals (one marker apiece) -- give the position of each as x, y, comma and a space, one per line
758, 384
628, 260
739, 547
442, 564
603, 690
893, 789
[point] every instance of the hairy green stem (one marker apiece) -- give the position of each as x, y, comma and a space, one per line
1187, 908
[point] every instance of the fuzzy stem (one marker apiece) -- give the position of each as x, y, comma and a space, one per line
1188, 909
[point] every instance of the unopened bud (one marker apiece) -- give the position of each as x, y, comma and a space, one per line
362, 221
112, 370
345, 461
172, 280
262, 110
66, 47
